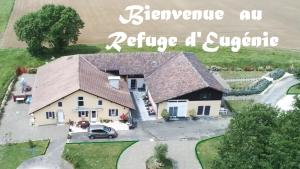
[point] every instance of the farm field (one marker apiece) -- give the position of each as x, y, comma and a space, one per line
242, 74
101, 19
5, 10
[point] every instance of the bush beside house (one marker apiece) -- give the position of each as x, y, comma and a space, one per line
159, 160
165, 115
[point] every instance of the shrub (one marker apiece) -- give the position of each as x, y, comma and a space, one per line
160, 152
83, 124
260, 68
192, 114
124, 117
165, 114
32, 71
20, 71
248, 68
276, 74
31, 144
215, 68
238, 69
269, 68
260, 86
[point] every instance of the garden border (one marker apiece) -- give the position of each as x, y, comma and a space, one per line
46, 146
202, 141
7, 94
287, 92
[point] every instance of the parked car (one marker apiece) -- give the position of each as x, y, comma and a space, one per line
101, 131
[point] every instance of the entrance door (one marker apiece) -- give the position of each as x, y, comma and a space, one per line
133, 84
94, 116
60, 117
177, 108
173, 111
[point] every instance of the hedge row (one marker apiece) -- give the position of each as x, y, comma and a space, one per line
276, 74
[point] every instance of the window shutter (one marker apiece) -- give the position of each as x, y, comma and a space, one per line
109, 112
79, 114
53, 114
117, 112
47, 116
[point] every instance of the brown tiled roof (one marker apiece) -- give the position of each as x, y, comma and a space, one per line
167, 75
69, 74
141, 63
181, 75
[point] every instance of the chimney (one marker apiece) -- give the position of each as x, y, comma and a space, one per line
114, 81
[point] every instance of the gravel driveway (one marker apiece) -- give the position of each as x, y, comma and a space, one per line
160, 130
16, 123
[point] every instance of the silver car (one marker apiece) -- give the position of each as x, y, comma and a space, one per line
101, 131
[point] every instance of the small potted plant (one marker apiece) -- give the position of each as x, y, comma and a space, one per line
165, 115
193, 115
124, 118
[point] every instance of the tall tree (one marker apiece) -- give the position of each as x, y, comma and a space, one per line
246, 144
286, 141
53, 26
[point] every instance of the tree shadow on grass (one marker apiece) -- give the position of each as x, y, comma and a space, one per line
48, 53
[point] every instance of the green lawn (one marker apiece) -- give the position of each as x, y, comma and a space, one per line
294, 89
95, 155
207, 151
10, 59
241, 74
11, 156
6, 7
238, 105
240, 84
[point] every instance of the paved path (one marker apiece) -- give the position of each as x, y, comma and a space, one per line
277, 91
273, 94
51, 160
182, 154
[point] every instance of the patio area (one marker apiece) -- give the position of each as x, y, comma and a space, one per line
142, 106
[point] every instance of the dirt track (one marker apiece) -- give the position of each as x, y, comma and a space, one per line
281, 18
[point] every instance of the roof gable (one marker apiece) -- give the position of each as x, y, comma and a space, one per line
69, 74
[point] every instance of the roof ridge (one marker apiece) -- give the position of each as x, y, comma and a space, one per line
171, 58
198, 73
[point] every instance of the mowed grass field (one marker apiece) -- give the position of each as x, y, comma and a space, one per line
207, 151
5, 10
101, 18
95, 155
10, 59
11, 156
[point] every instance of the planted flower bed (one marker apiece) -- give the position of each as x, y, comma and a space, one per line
260, 86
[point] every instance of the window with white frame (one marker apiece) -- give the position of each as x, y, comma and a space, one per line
113, 112
50, 115
99, 102
80, 101
83, 113
203, 110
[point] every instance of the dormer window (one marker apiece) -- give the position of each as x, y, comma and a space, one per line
80, 101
